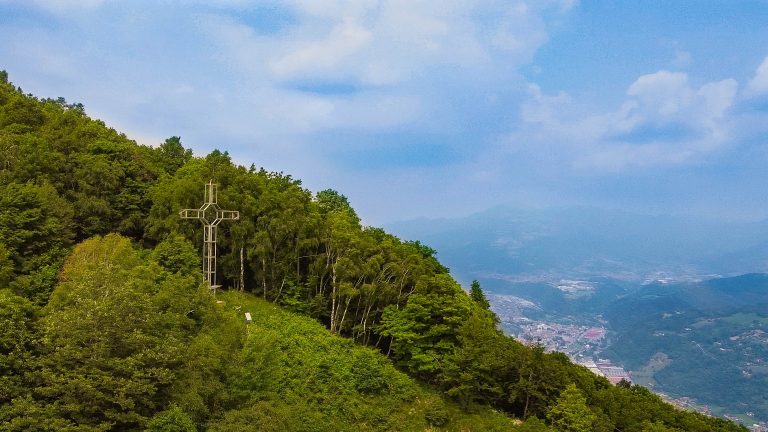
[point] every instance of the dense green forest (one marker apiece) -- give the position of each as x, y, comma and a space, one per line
107, 327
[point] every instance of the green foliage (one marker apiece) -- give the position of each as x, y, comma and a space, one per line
129, 339
26, 414
427, 327
99, 174
172, 155
264, 416
35, 225
538, 381
533, 424
176, 254
294, 375
171, 420
330, 201
38, 284
481, 364
202, 386
257, 371
17, 344
702, 326
632, 408
571, 413
436, 415
6, 266
368, 372
478, 295
23, 113
657, 427
428, 253
120, 374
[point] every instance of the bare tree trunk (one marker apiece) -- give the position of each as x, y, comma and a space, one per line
366, 315
355, 333
280, 290
527, 396
264, 276
272, 267
242, 272
333, 299
341, 322
328, 260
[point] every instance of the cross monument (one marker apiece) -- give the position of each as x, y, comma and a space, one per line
211, 215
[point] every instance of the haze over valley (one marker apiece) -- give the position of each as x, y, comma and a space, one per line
676, 303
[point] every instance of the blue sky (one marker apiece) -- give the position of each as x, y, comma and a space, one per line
430, 109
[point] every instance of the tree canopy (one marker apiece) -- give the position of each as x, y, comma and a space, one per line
107, 327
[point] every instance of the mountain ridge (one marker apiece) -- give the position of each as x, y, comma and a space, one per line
576, 240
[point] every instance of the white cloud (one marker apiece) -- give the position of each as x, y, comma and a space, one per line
386, 43
403, 60
663, 121
346, 39
666, 97
715, 99
662, 93
541, 108
759, 83
218, 76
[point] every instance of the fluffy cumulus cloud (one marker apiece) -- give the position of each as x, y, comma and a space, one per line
664, 120
276, 73
386, 43
759, 83
307, 87
355, 61
431, 104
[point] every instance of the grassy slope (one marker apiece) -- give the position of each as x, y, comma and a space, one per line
333, 384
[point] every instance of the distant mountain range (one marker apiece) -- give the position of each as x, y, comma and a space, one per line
706, 339
510, 244
682, 298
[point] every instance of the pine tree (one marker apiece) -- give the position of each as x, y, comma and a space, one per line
478, 295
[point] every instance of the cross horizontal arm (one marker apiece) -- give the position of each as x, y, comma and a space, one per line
191, 214
228, 214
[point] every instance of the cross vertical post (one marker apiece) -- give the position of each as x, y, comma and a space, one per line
210, 215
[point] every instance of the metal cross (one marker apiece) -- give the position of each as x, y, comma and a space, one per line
211, 215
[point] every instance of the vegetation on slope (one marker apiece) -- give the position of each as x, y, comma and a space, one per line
109, 337
335, 383
717, 327
124, 339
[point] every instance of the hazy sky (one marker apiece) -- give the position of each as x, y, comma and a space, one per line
434, 108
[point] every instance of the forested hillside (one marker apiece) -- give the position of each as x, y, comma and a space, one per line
106, 327
715, 327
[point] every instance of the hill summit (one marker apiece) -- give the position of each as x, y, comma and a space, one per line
107, 326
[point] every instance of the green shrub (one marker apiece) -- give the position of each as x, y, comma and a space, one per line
436, 415
172, 420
